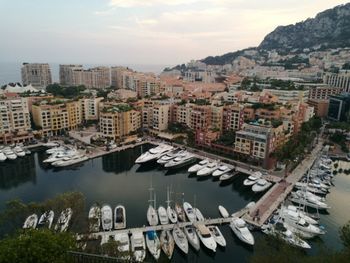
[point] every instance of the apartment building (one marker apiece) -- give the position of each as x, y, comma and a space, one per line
118, 121
117, 76
216, 117
15, 125
285, 96
160, 118
75, 75
232, 117
200, 117
180, 113
90, 108
339, 80
339, 107
199, 76
36, 74
66, 73
323, 92
320, 107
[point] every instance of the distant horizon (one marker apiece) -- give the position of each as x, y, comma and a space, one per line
138, 32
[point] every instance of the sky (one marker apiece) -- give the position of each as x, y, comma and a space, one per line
149, 32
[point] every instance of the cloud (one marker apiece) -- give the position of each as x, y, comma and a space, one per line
138, 3
105, 12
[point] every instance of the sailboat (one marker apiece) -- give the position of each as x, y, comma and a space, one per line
167, 242
152, 215
180, 211
170, 211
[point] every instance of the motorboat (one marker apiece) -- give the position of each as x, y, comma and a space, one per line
153, 244
302, 225
119, 217
180, 213
167, 243
261, 185
9, 154
310, 195
199, 215
94, 218
310, 188
70, 161
107, 217
138, 246
46, 219
192, 237
195, 168
180, 239
189, 212
163, 216
298, 232
208, 169
181, 160
154, 153
217, 235
309, 201
239, 227
296, 213
226, 176
19, 151
27, 151
280, 230
169, 156
123, 247
222, 169
223, 212
31, 221
63, 220
252, 179
2, 157
206, 237
56, 149
51, 144
60, 155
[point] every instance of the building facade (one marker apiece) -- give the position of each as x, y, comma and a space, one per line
36, 74
340, 80
339, 107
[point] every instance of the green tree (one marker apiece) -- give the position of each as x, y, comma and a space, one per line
39, 246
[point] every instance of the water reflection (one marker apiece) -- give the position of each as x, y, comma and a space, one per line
17, 172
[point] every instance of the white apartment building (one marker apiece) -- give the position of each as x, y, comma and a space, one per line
90, 108
160, 118
285, 96
340, 80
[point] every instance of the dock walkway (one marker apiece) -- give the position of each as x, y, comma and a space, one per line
264, 208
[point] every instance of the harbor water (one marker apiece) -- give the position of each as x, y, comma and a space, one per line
116, 179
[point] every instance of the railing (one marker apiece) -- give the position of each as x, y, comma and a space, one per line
81, 257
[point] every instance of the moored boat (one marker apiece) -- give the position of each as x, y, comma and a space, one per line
163, 216
217, 235
222, 169
180, 239
107, 217
261, 185
123, 242
206, 237
31, 221
94, 218
138, 246
239, 227
154, 153
46, 219
189, 212
119, 217
223, 212
195, 168
153, 244
192, 237
252, 179
167, 243
64, 219
208, 169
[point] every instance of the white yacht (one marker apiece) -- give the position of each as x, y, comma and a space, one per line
67, 161
206, 237
2, 157
123, 245
46, 219
138, 246
252, 179
283, 232
19, 151
60, 155
31, 221
223, 212
295, 213
307, 200
9, 154
51, 144
195, 168
261, 185
163, 216
199, 215
189, 212
180, 239
310, 188
107, 217
169, 156
192, 237
56, 149
208, 169
217, 235
302, 225
181, 160
153, 244
239, 227
119, 217
154, 153
222, 169
167, 243
94, 218
226, 176
63, 220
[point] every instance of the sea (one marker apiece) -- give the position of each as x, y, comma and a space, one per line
10, 72
116, 179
